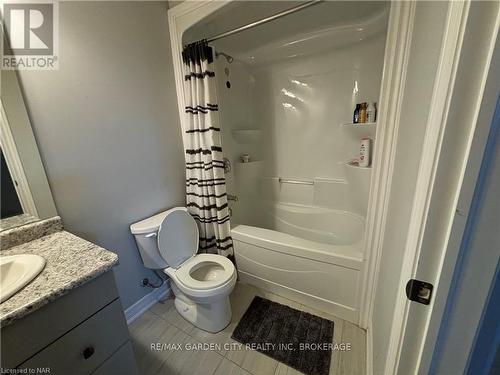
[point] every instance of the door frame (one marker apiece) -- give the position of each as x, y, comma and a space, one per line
15, 165
397, 51
186, 14
455, 29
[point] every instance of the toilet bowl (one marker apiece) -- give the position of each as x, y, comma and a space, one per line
201, 282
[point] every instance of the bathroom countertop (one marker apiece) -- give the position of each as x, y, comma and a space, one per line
29, 232
70, 262
16, 221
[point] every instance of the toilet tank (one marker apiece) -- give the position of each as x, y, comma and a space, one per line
146, 237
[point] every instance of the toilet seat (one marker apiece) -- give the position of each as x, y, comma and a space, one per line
195, 273
205, 271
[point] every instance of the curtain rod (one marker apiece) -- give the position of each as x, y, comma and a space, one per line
265, 20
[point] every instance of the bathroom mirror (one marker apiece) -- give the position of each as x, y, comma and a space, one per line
25, 191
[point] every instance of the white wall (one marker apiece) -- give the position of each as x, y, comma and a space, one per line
422, 66
108, 128
237, 112
301, 102
297, 106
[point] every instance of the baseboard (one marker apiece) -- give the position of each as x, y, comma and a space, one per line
369, 350
138, 308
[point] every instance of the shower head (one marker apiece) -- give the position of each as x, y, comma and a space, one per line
229, 58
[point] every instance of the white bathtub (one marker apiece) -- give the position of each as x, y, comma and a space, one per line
309, 254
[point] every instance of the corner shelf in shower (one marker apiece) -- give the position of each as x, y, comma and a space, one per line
246, 136
251, 165
351, 165
250, 162
359, 125
355, 132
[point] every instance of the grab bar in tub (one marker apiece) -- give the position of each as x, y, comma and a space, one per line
297, 182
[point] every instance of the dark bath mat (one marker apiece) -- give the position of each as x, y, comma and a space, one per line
296, 338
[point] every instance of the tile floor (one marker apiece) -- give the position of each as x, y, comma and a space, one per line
163, 324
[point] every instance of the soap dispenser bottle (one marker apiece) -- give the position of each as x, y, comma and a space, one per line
370, 112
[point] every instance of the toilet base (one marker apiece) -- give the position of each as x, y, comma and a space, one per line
212, 317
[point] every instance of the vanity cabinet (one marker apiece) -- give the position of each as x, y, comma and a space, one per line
82, 332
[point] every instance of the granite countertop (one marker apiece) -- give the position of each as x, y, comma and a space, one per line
16, 221
70, 262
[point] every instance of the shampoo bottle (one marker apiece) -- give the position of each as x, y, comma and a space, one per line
355, 117
364, 152
370, 112
362, 113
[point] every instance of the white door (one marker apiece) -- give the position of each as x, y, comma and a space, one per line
446, 179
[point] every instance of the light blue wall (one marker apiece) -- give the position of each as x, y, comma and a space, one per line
485, 357
465, 313
479, 252
108, 128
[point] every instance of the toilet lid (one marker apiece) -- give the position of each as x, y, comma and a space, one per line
177, 237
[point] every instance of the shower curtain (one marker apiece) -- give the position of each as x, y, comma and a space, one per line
205, 182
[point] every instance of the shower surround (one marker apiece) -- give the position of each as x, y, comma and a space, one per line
298, 220
301, 207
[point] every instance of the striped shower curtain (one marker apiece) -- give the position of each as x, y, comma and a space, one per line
205, 182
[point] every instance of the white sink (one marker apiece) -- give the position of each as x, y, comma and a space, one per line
16, 271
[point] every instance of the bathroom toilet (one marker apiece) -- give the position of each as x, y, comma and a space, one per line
201, 282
